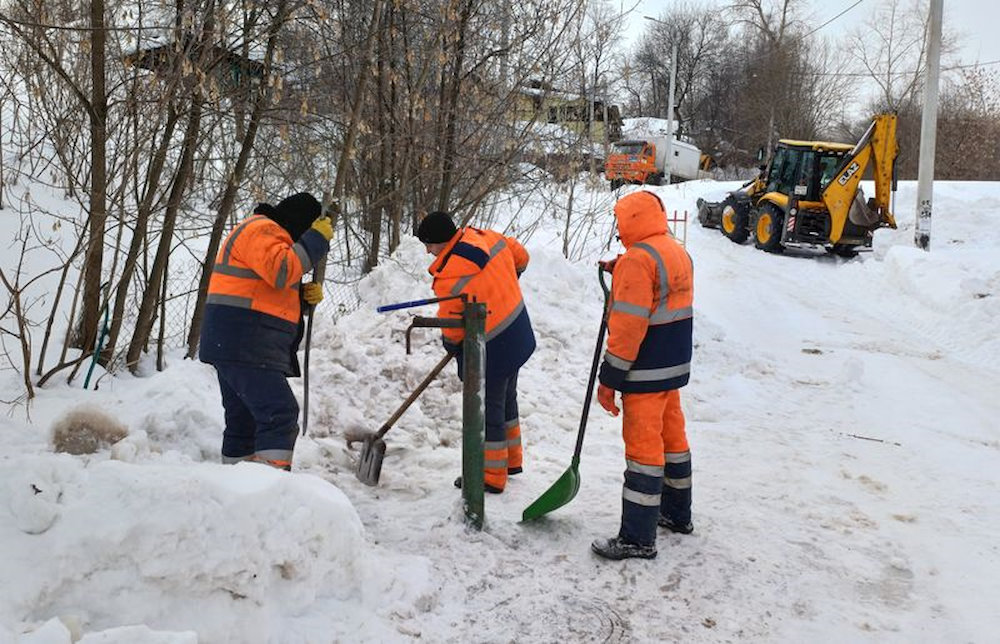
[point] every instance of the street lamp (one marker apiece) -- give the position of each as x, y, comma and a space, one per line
668, 162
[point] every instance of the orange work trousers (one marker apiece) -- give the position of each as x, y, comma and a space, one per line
653, 426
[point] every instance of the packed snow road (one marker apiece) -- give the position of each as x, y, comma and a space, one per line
842, 419
841, 424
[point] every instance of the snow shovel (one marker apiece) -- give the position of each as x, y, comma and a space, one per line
565, 488
372, 445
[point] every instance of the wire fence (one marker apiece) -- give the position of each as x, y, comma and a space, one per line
175, 312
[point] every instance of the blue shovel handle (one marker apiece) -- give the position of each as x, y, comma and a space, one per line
405, 305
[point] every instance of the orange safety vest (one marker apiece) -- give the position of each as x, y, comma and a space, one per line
650, 318
259, 268
483, 264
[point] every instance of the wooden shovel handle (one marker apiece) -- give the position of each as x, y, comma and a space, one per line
413, 396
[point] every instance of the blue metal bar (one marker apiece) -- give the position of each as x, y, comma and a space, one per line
405, 305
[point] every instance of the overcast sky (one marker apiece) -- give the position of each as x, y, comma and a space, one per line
976, 21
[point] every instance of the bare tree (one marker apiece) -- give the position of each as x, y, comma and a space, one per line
262, 96
891, 49
969, 127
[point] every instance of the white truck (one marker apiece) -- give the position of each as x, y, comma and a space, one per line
644, 160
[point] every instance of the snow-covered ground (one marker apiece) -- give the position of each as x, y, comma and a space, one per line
843, 422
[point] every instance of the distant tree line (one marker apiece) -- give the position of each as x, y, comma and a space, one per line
167, 120
752, 71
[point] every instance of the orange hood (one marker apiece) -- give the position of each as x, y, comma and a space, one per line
640, 215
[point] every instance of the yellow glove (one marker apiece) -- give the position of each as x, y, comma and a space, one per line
312, 293
324, 227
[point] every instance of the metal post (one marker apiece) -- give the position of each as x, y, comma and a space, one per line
928, 129
473, 414
669, 161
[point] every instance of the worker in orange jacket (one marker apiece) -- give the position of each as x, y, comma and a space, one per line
648, 359
486, 265
253, 324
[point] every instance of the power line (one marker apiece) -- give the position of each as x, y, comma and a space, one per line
794, 39
830, 20
907, 73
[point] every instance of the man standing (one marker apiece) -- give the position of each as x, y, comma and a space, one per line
486, 265
648, 359
253, 325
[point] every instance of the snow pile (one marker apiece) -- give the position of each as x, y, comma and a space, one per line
227, 552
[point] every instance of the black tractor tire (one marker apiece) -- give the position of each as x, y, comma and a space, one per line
616, 184
655, 179
735, 220
767, 228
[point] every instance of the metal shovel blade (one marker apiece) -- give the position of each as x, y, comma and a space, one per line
370, 461
559, 494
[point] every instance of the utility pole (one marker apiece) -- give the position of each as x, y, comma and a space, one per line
669, 152
928, 129
669, 161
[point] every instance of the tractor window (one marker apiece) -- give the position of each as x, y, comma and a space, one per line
774, 171
784, 169
805, 187
828, 170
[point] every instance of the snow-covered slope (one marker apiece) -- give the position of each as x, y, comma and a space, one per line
842, 420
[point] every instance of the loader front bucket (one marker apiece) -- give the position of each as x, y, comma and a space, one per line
370, 461
709, 213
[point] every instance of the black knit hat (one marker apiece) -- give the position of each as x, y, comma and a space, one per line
295, 214
437, 227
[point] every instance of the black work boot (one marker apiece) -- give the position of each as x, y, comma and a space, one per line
486, 486
617, 548
668, 523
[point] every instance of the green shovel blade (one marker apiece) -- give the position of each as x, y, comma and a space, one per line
559, 494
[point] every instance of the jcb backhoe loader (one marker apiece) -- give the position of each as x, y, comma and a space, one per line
808, 195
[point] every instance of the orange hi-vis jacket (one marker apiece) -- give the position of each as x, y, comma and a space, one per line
253, 309
650, 317
485, 265
259, 268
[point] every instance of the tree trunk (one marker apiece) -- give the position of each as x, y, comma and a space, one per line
139, 234
233, 183
569, 214
147, 308
94, 256
163, 315
450, 109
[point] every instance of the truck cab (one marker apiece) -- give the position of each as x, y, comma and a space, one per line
632, 161
645, 161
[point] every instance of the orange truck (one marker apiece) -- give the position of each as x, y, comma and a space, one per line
643, 160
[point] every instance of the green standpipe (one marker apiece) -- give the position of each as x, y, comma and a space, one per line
473, 415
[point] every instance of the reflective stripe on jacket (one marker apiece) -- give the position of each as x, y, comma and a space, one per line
650, 319
259, 268
484, 264
253, 311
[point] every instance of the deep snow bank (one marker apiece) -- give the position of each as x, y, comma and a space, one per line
234, 553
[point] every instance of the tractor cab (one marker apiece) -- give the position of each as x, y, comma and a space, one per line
802, 169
